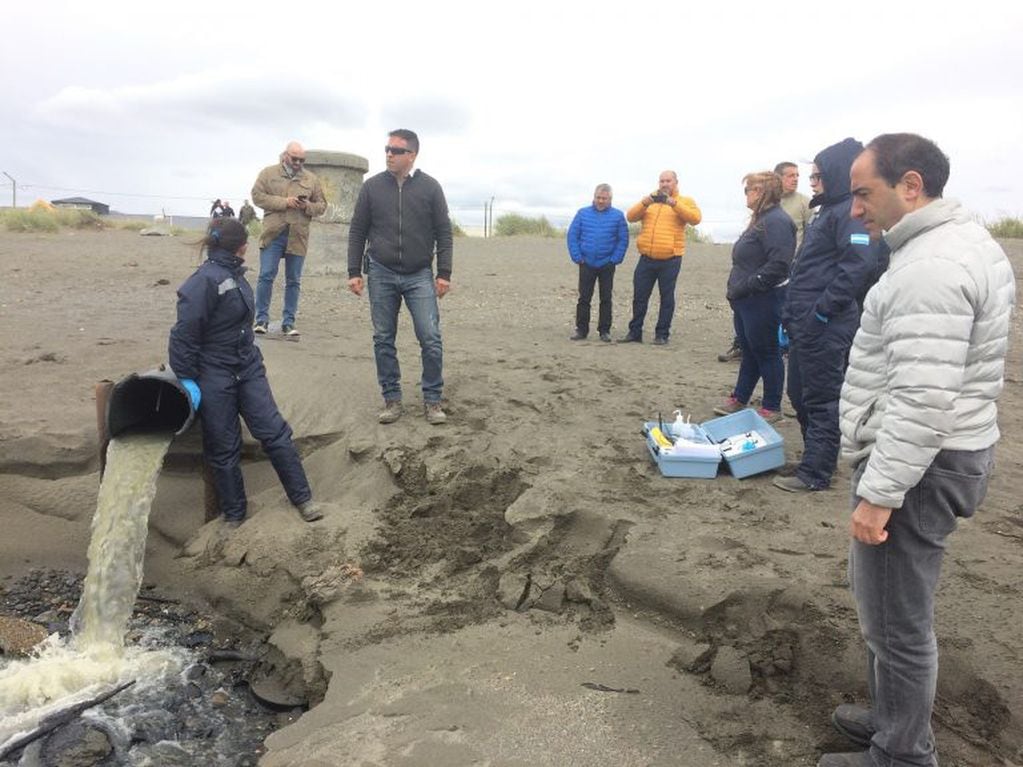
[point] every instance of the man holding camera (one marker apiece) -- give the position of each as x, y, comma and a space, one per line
290, 196
661, 243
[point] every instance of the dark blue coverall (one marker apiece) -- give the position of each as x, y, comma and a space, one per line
833, 270
212, 343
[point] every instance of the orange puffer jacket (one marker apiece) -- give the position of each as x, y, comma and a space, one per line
663, 234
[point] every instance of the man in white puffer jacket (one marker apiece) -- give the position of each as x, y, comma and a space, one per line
919, 423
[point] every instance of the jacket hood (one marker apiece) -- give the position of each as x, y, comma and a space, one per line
834, 164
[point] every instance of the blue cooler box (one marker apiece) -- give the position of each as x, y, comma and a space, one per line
767, 453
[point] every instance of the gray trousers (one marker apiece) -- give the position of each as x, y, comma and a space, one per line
894, 584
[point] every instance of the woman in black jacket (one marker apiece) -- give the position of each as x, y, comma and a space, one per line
760, 263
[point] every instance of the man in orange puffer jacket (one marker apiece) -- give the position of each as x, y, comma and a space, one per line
661, 244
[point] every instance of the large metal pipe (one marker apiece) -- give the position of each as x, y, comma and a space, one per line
148, 402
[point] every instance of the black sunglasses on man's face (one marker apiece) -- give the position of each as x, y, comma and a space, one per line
396, 150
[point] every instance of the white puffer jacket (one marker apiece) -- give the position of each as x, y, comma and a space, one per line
926, 365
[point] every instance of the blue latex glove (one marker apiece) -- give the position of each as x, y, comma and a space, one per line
193, 391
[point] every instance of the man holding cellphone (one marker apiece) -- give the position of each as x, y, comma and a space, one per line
290, 197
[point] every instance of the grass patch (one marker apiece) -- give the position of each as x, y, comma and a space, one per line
1007, 227
456, 230
39, 219
513, 225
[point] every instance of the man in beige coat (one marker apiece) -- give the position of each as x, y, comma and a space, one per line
290, 197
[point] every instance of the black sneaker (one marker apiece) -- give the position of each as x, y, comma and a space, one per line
261, 328
605, 337
630, 339
289, 330
578, 335
734, 353
855, 723
660, 341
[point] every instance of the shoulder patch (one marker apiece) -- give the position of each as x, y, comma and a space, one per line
226, 285
858, 238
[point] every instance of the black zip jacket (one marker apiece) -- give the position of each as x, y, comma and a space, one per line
762, 254
402, 225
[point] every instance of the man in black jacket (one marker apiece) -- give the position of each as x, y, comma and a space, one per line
835, 266
402, 214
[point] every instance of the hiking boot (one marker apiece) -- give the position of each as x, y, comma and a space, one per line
578, 335
731, 405
605, 337
631, 339
733, 353
310, 510
771, 416
855, 723
289, 330
856, 759
391, 411
435, 413
261, 328
660, 341
792, 484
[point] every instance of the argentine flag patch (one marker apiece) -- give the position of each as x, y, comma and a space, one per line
859, 239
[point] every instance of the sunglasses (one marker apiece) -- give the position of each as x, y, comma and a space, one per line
396, 150
296, 160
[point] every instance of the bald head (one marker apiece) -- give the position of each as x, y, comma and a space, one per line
667, 183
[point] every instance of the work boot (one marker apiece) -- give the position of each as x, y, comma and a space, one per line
854, 722
856, 759
310, 510
435, 414
734, 353
391, 411
731, 405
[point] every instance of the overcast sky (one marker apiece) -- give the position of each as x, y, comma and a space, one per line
165, 106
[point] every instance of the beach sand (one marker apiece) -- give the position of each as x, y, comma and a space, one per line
519, 586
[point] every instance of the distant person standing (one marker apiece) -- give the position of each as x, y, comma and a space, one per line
661, 244
760, 263
919, 421
227, 211
835, 267
400, 221
290, 197
247, 214
216, 209
597, 240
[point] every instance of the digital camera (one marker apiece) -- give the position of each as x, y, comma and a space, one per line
659, 197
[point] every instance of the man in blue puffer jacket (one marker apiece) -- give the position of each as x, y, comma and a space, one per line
597, 240
833, 270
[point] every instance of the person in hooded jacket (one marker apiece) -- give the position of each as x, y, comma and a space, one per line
835, 266
213, 354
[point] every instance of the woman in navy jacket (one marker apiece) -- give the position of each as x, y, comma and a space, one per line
212, 352
760, 263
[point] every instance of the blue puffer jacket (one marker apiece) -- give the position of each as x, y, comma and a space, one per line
837, 263
598, 237
214, 327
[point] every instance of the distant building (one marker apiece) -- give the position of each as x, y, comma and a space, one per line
83, 204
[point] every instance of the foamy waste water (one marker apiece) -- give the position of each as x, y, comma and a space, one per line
95, 659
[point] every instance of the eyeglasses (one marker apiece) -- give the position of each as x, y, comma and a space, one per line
815, 176
296, 160
396, 150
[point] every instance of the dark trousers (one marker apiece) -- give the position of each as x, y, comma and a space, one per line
817, 360
225, 396
663, 273
756, 320
588, 277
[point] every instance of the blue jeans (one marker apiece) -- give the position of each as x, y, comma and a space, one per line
894, 584
664, 273
269, 259
387, 288
756, 319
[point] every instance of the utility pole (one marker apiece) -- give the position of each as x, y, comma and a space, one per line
14, 189
486, 207
491, 216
